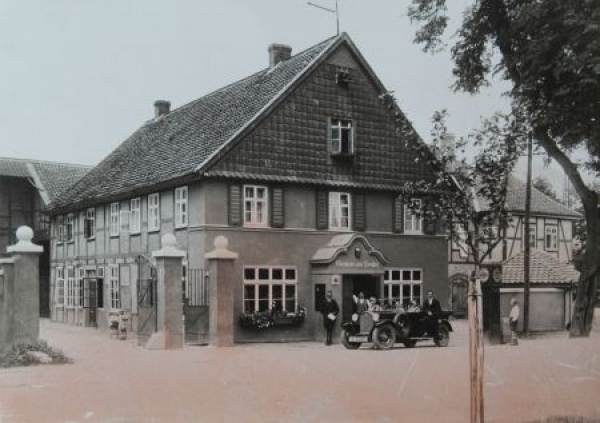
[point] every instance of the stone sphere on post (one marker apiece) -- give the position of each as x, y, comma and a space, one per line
24, 233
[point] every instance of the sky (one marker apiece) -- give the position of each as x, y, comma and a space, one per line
78, 77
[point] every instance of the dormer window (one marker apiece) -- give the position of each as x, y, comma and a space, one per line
342, 137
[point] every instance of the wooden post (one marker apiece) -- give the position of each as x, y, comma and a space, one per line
475, 348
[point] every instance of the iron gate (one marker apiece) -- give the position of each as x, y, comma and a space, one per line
195, 306
146, 288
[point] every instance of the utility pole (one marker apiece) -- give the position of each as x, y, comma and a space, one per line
527, 256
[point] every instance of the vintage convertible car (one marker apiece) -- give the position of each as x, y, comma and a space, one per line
387, 327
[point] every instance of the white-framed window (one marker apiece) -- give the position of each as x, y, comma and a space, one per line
460, 241
342, 137
70, 227
256, 204
413, 223
79, 287
403, 286
270, 288
154, 212
551, 238
181, 207
340, 211
114, 287
532, 235
60, 229
71, 288
135, 216
89, 230
59, 287
115, 224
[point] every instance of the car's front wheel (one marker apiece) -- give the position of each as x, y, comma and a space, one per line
349, 345
384, 337
443, 337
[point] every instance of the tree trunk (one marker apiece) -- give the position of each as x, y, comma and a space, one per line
583, 312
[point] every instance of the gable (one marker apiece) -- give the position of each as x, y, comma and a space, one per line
292, 143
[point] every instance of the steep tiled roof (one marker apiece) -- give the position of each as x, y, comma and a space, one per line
541, 204
544, 269
177, 144
50, 178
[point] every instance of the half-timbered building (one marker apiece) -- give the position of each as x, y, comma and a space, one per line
26, 188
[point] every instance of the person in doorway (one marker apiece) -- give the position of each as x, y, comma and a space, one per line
513, 320
330, 312
373, 306
433, 308
361, 302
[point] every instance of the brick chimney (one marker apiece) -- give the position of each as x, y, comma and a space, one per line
161, 107
278, 53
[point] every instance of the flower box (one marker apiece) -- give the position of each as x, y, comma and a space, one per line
268, 319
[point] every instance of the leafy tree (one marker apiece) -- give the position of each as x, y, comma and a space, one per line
549, 52
545, 187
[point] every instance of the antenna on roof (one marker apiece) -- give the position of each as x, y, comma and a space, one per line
330, 10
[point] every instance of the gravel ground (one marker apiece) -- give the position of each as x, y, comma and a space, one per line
116, 381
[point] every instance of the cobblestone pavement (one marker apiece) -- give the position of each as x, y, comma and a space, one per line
116, 381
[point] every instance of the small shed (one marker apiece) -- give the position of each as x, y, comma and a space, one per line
552, 284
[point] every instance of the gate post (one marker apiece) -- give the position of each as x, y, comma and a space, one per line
221, 292
169, 308
26, 287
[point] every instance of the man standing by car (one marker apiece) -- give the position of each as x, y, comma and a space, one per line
433, 308
330, 312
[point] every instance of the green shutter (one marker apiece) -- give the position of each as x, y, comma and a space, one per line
277, 208
359, 217
398, 214
235, 205
322, 210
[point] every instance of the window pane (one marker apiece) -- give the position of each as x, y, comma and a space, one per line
395, 291
290, 274
263, 297
249, 192
406, 291
406, 275
249, 274
395, 275
386, 275
263, 273
277, 274
417, 293
260, 192
416, 275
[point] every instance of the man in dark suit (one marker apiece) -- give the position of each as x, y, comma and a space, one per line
433, 308
330, 312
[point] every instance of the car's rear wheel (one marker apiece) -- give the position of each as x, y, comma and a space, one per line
410, 343
443, 337
349, 345
384, 337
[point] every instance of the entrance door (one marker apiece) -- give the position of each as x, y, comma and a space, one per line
90, 302
459, 286
354, 285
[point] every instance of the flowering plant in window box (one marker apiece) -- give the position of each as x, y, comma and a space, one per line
272, 318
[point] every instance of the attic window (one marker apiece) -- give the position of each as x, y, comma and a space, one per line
342, 137
342, 76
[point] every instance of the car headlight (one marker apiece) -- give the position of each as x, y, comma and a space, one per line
375, 317
355, 317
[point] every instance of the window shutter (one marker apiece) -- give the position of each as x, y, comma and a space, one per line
322, 210
429, 222
359, 219
235, 205
277, 208
398, 214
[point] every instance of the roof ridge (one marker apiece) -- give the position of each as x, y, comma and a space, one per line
44, 162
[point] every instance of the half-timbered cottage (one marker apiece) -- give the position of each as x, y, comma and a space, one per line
299, 166
26, 189
552, 232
